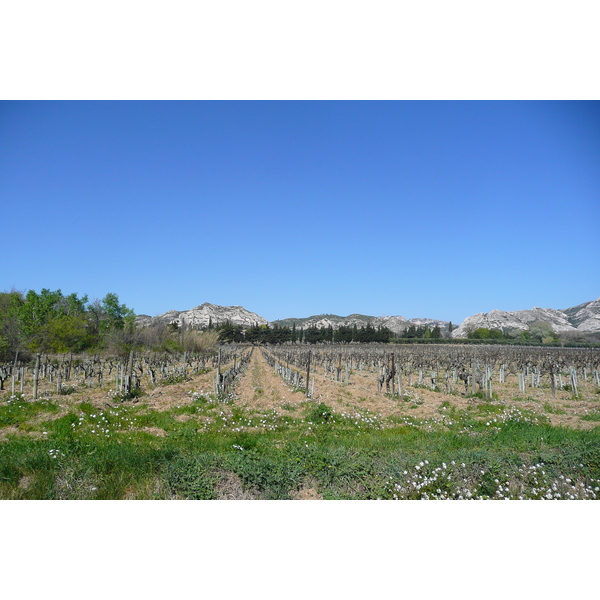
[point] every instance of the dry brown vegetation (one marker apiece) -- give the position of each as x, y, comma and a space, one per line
262, 389
239, 424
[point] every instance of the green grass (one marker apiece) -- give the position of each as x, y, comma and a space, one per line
554, 410
173, 379
489, 451
17, 411
591, 417
490, 409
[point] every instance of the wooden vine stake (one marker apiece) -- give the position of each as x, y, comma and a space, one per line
218, 374
573, 380
308, 375
36, 373
129, 380
14, 374
400, 390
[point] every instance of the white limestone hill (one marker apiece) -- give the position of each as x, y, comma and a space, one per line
206, 314
584, 318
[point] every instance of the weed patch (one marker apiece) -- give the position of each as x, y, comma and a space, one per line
17, 410
191, 477
173, 379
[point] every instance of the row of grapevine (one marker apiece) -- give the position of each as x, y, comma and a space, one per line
442, 366
127, 372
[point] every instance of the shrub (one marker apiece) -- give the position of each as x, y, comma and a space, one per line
66, 390
115, 396
173, 379
274, 475
191, 477
320, 414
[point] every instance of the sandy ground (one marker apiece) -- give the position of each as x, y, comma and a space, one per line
260, 388
362, 393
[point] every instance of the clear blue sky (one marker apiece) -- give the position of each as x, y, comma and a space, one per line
420, 209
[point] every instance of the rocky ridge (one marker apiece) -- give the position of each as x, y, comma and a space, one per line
583, 318
396, 324
207, 313
203, 315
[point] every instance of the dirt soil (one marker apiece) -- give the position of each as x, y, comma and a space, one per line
260, 388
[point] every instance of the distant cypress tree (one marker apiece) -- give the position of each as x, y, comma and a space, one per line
330, 334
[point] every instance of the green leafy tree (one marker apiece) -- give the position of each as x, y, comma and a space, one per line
483, 333
107, 316
65, 333
51, 321
11, 333
117, 315
540, 331
37, 310
230, 333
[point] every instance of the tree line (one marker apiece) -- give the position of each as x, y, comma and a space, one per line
538, 331
50, 321
265, 334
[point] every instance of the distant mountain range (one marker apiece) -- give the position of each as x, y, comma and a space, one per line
396, 324
583, 318
203, 315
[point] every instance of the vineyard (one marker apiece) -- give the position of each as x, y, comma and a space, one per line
475, 371
298, 421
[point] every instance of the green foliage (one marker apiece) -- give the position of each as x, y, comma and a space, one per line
595, 416
17, 410
514, 459
135, 392
321, 413
554, 410
175, 378
11, 335
488, 451
363, 335
67, 390
483, 333
37, 310
413, 332
540, 331
482, 395
191, 477
171, 346
49, 321
314, 335
116, 315
229, 333
275, 473
490, 409
65, 333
